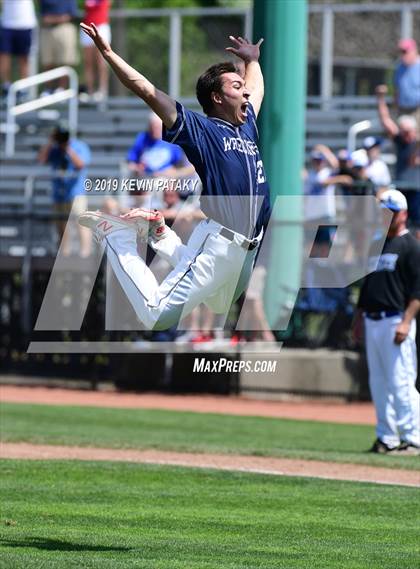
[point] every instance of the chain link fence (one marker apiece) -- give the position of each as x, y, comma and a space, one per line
362, 43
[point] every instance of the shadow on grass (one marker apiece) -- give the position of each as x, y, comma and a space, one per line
57, 545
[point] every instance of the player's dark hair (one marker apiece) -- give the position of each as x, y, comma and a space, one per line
211, 81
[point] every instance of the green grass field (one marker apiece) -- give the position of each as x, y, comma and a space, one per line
193, 432
74, 514
115, 515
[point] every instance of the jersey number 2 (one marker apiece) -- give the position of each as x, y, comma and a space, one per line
260, 172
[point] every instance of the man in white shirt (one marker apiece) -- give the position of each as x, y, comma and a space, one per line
17, 22
320, 180
319, 190
376, 169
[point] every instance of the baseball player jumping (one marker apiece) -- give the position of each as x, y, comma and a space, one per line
216, 264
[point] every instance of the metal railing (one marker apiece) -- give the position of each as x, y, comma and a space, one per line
14, 110
354, 130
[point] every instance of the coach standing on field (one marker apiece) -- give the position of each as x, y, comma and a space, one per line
390, 301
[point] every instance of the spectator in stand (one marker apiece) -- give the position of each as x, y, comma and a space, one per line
150, 156
185, 215
362, 182
96, 12
319, 181
68, 158
363, 213
201, 326
407, 79
406, 139
253, 317
17, 23
345, 168
377, 171
58, 36
345, 164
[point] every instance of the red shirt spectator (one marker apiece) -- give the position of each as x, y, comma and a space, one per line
97, 12
96, 68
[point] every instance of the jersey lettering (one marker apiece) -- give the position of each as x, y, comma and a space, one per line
386, 262
234, 143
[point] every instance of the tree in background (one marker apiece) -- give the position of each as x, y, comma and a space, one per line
145, 42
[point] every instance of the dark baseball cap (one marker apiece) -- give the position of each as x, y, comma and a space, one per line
61, 132
344, 154
371, 141
317, 155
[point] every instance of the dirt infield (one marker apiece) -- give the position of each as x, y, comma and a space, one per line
356, 413
262, 465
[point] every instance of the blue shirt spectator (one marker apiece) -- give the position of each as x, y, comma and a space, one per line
68, 159
70, 182
407, 80
58, 7
407, 76
154, 155
150, 154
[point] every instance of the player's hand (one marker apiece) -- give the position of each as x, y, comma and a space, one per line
134, 213
244, 49
381, 90
143, 213
401, 333
100, 41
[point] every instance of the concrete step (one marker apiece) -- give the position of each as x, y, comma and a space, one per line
306, 372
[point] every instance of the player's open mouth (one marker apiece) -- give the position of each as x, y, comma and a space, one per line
244, 109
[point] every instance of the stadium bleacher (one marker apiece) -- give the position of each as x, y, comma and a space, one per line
110, 132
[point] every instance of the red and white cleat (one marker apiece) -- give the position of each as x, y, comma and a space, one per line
103, 224
152, 217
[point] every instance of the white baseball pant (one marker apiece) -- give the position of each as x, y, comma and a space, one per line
392, 381
209, 269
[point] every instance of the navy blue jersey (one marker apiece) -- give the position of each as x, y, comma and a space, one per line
228, 162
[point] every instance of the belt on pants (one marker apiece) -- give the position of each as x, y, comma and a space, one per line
382, 315
248, 244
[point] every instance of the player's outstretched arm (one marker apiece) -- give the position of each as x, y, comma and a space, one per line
161, 103
254, 80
